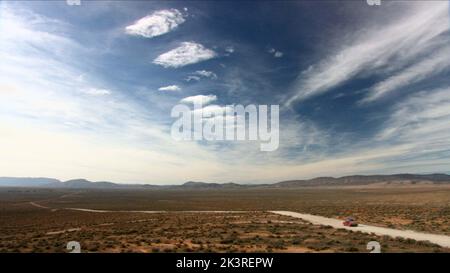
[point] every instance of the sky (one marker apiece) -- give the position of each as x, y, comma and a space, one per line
87, 91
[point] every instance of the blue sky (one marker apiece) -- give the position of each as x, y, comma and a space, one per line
86, 91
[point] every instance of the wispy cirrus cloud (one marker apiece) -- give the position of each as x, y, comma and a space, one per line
411, 36
420, 125
429, 66
187, 53
422, 118
158, 23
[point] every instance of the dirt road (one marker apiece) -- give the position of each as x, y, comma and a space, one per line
38, 206
441, 240
160, 211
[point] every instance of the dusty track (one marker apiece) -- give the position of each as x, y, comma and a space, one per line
441, 240
38, 206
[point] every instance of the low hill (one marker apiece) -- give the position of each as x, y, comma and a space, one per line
27, 181
354, 180
360, 180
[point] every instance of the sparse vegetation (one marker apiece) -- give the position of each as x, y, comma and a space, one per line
26, 228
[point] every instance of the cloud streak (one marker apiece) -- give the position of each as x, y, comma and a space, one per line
431, 65
96, 92
170, 88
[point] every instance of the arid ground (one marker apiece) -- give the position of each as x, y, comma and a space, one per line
38, 220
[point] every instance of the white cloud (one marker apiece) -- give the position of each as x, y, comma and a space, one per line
275, 53
192, 78
156, 24
278, 54
412, 35
203, 99
170, 88
187, 53
197, 75
206, 74
96, 92
229, 49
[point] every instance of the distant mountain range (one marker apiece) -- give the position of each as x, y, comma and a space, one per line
354, 180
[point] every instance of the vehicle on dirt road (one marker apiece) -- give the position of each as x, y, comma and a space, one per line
350, 222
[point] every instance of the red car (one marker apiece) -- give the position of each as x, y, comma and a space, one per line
350, 222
